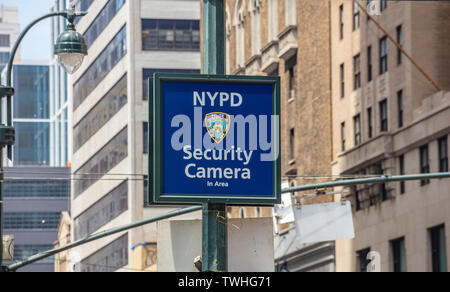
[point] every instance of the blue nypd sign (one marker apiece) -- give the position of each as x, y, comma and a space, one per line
215, 139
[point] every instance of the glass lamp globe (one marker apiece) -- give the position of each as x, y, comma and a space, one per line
70, 62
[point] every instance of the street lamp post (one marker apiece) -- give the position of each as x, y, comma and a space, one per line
70, 48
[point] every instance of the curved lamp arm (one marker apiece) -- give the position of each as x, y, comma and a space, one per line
19, 40
70, 15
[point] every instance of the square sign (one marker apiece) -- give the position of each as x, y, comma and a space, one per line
215, 139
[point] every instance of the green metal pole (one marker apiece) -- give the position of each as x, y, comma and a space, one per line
100, 235
215, 239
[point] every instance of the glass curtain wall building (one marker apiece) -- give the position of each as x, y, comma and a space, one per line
60, 144
31, 115
34, 200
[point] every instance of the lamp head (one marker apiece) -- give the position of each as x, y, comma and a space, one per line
70, 48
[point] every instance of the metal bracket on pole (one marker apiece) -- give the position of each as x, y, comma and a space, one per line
7, 136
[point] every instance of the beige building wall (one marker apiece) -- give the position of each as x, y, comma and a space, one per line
426, 117
132, 116
144, 257
62, 260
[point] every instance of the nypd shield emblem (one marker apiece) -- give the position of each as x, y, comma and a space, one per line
218, 125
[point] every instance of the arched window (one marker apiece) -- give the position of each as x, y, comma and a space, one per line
273, 19
291, 12
255, 14
239, 23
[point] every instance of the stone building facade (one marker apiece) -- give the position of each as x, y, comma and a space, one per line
354, 104
388, 119
290, 39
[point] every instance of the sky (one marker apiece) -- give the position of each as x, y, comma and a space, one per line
36, 44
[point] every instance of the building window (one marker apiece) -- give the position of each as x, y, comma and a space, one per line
343, 136
37, 188
31, 221
255, 13
383, 5
32, 89
100, 114
383, 116
102, 212
424, 163
146, 194
148, 73
400, 108
109, 259
443, 154
369, 123
383, 55
258, 212
400, 42
103, 19
145, 137
4, 40
357, 129
384, 192
398, 255
23, 252
102, 162
291, 67
342, 79
292, 144
273, 19
369, 63
105, 62
341, 21
4, 59
438, 249
239, 23
32, 147
170, 35
82, 5
362, 260
401, 162
358, 201
356, 16
242, 213
357, 72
